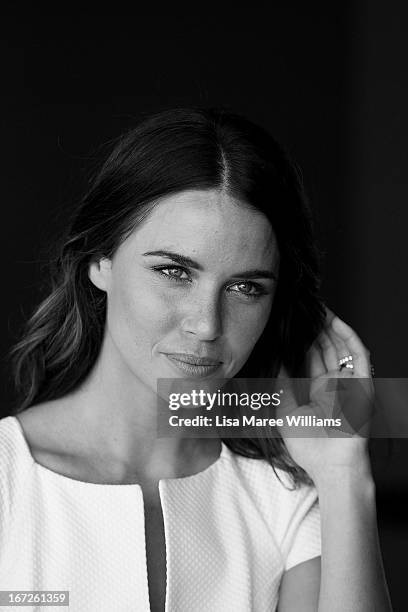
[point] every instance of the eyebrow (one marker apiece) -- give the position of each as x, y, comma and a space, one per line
186, 261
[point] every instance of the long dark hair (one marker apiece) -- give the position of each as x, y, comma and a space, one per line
166, 153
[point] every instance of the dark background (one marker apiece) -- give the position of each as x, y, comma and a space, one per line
328, 80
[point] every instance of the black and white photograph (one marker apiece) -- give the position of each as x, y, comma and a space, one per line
204, 375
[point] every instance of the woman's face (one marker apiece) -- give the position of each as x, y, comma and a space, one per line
196, 278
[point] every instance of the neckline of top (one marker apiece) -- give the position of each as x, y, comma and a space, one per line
225, 452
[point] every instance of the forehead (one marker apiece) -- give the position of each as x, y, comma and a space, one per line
208, 224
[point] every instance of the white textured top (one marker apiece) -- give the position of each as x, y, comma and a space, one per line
230, 531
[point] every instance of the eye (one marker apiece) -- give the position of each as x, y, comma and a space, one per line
173, 272
249, 290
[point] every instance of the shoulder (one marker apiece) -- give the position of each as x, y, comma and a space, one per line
271, 491
52, 438
291, 513
24, 439
13, 449
15, 467
48, 431
271, 483
39, 424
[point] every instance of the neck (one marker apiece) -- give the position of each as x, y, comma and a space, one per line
115, 416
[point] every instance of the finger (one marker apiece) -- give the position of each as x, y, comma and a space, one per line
288, 402
329, 353
354, 345
329, 315
314, 361
347, 334
339, 344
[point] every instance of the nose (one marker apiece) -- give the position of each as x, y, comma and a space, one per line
203, 318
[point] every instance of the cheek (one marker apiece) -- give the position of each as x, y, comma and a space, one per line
137, 314
246, 328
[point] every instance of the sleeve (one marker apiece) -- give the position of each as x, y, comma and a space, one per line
305, 540
4, 493
15, 463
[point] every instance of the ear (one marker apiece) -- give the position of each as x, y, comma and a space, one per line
99, 273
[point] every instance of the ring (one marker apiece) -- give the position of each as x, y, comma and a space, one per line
345, 362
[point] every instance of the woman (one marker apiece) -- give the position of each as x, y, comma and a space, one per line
193, 248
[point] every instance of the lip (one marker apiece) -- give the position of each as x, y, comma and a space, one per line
193, 369
194, 359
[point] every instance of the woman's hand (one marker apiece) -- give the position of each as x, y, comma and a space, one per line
327, 453
352, 574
